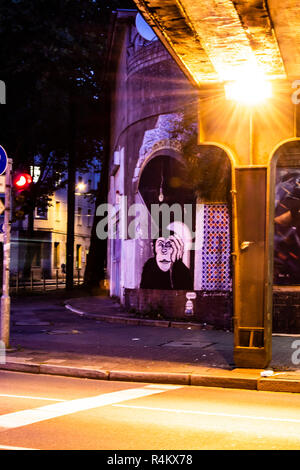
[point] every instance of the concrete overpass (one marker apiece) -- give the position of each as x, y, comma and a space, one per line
215, 43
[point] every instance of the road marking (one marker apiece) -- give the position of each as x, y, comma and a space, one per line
15, 448
30, 398
208, 413
35, 415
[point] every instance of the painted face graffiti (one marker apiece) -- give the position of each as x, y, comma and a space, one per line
166, 269
168, 250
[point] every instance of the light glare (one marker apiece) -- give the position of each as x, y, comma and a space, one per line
81, 187
250, 88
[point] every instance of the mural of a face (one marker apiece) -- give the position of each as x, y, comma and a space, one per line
164, 250
168, 250
166, 270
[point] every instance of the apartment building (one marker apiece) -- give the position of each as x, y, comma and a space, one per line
47, 254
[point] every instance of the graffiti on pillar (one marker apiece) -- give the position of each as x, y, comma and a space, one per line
287, 227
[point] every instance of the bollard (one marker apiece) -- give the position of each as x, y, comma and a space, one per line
57, 279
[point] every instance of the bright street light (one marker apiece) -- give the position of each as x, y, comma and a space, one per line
250, 87
81, 187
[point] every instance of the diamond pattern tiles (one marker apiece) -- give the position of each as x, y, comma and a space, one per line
216, 272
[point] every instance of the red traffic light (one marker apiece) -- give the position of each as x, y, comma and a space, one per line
22, 181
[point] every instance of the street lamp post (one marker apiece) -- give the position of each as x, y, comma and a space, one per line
5, 299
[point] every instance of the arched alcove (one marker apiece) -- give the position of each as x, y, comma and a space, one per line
285, 164
287, 214
202, 181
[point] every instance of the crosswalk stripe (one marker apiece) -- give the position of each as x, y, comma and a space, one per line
5, 395
14, 448
35, 415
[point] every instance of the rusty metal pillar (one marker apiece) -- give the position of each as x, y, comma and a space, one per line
252, 261
252, 227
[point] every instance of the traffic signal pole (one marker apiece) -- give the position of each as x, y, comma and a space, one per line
5, 299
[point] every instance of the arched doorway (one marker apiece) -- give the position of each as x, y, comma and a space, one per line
286, 163
199, 185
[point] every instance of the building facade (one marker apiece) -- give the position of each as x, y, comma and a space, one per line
48, 245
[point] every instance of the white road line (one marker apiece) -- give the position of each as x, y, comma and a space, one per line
15, 448
208, 413
35, 415
30, 398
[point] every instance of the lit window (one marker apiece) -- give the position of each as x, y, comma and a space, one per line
56, 254
57, 211
78, 256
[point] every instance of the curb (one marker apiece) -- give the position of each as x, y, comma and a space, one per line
219, 381
133, 321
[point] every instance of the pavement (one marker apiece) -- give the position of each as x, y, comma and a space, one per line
94, 337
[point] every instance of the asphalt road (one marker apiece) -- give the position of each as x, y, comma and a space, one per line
48, 412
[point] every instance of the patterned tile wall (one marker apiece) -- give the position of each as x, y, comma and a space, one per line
216, 249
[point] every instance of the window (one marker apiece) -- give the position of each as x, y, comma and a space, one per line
41, 213
79, 216
80, 187
56, 259
57, 211
78, 256
89, 218
36, 254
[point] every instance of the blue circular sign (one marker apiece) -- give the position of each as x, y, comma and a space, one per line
3, 160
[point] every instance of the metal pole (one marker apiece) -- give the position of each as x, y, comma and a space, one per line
5, 299
57, 279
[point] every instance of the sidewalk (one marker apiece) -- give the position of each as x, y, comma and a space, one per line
91, 337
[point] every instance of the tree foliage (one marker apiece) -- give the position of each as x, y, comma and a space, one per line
207, 169
52, 61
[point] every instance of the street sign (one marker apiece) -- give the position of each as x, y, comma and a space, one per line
3, 160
